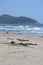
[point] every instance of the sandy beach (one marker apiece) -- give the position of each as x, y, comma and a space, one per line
30, 52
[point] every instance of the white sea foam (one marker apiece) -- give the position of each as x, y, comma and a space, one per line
22, 29
36, 28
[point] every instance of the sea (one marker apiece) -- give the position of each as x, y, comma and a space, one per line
32, 29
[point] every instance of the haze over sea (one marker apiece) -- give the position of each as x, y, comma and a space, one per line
33, 29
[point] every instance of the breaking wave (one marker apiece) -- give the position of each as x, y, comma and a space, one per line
24, 29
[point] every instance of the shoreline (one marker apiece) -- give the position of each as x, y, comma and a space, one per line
6, 32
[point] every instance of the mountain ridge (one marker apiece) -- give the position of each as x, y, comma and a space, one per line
21, 19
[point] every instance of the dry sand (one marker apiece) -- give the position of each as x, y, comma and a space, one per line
20, 55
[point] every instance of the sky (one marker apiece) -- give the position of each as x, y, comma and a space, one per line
28, 8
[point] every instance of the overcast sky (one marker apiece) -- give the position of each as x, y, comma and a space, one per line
27, 8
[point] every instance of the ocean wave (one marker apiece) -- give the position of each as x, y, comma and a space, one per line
22, 29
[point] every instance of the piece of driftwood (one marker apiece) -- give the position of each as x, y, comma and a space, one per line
26, 44
32, 44
22, 44
12, 42
22, 40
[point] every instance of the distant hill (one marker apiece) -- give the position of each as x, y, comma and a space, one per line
21, 20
